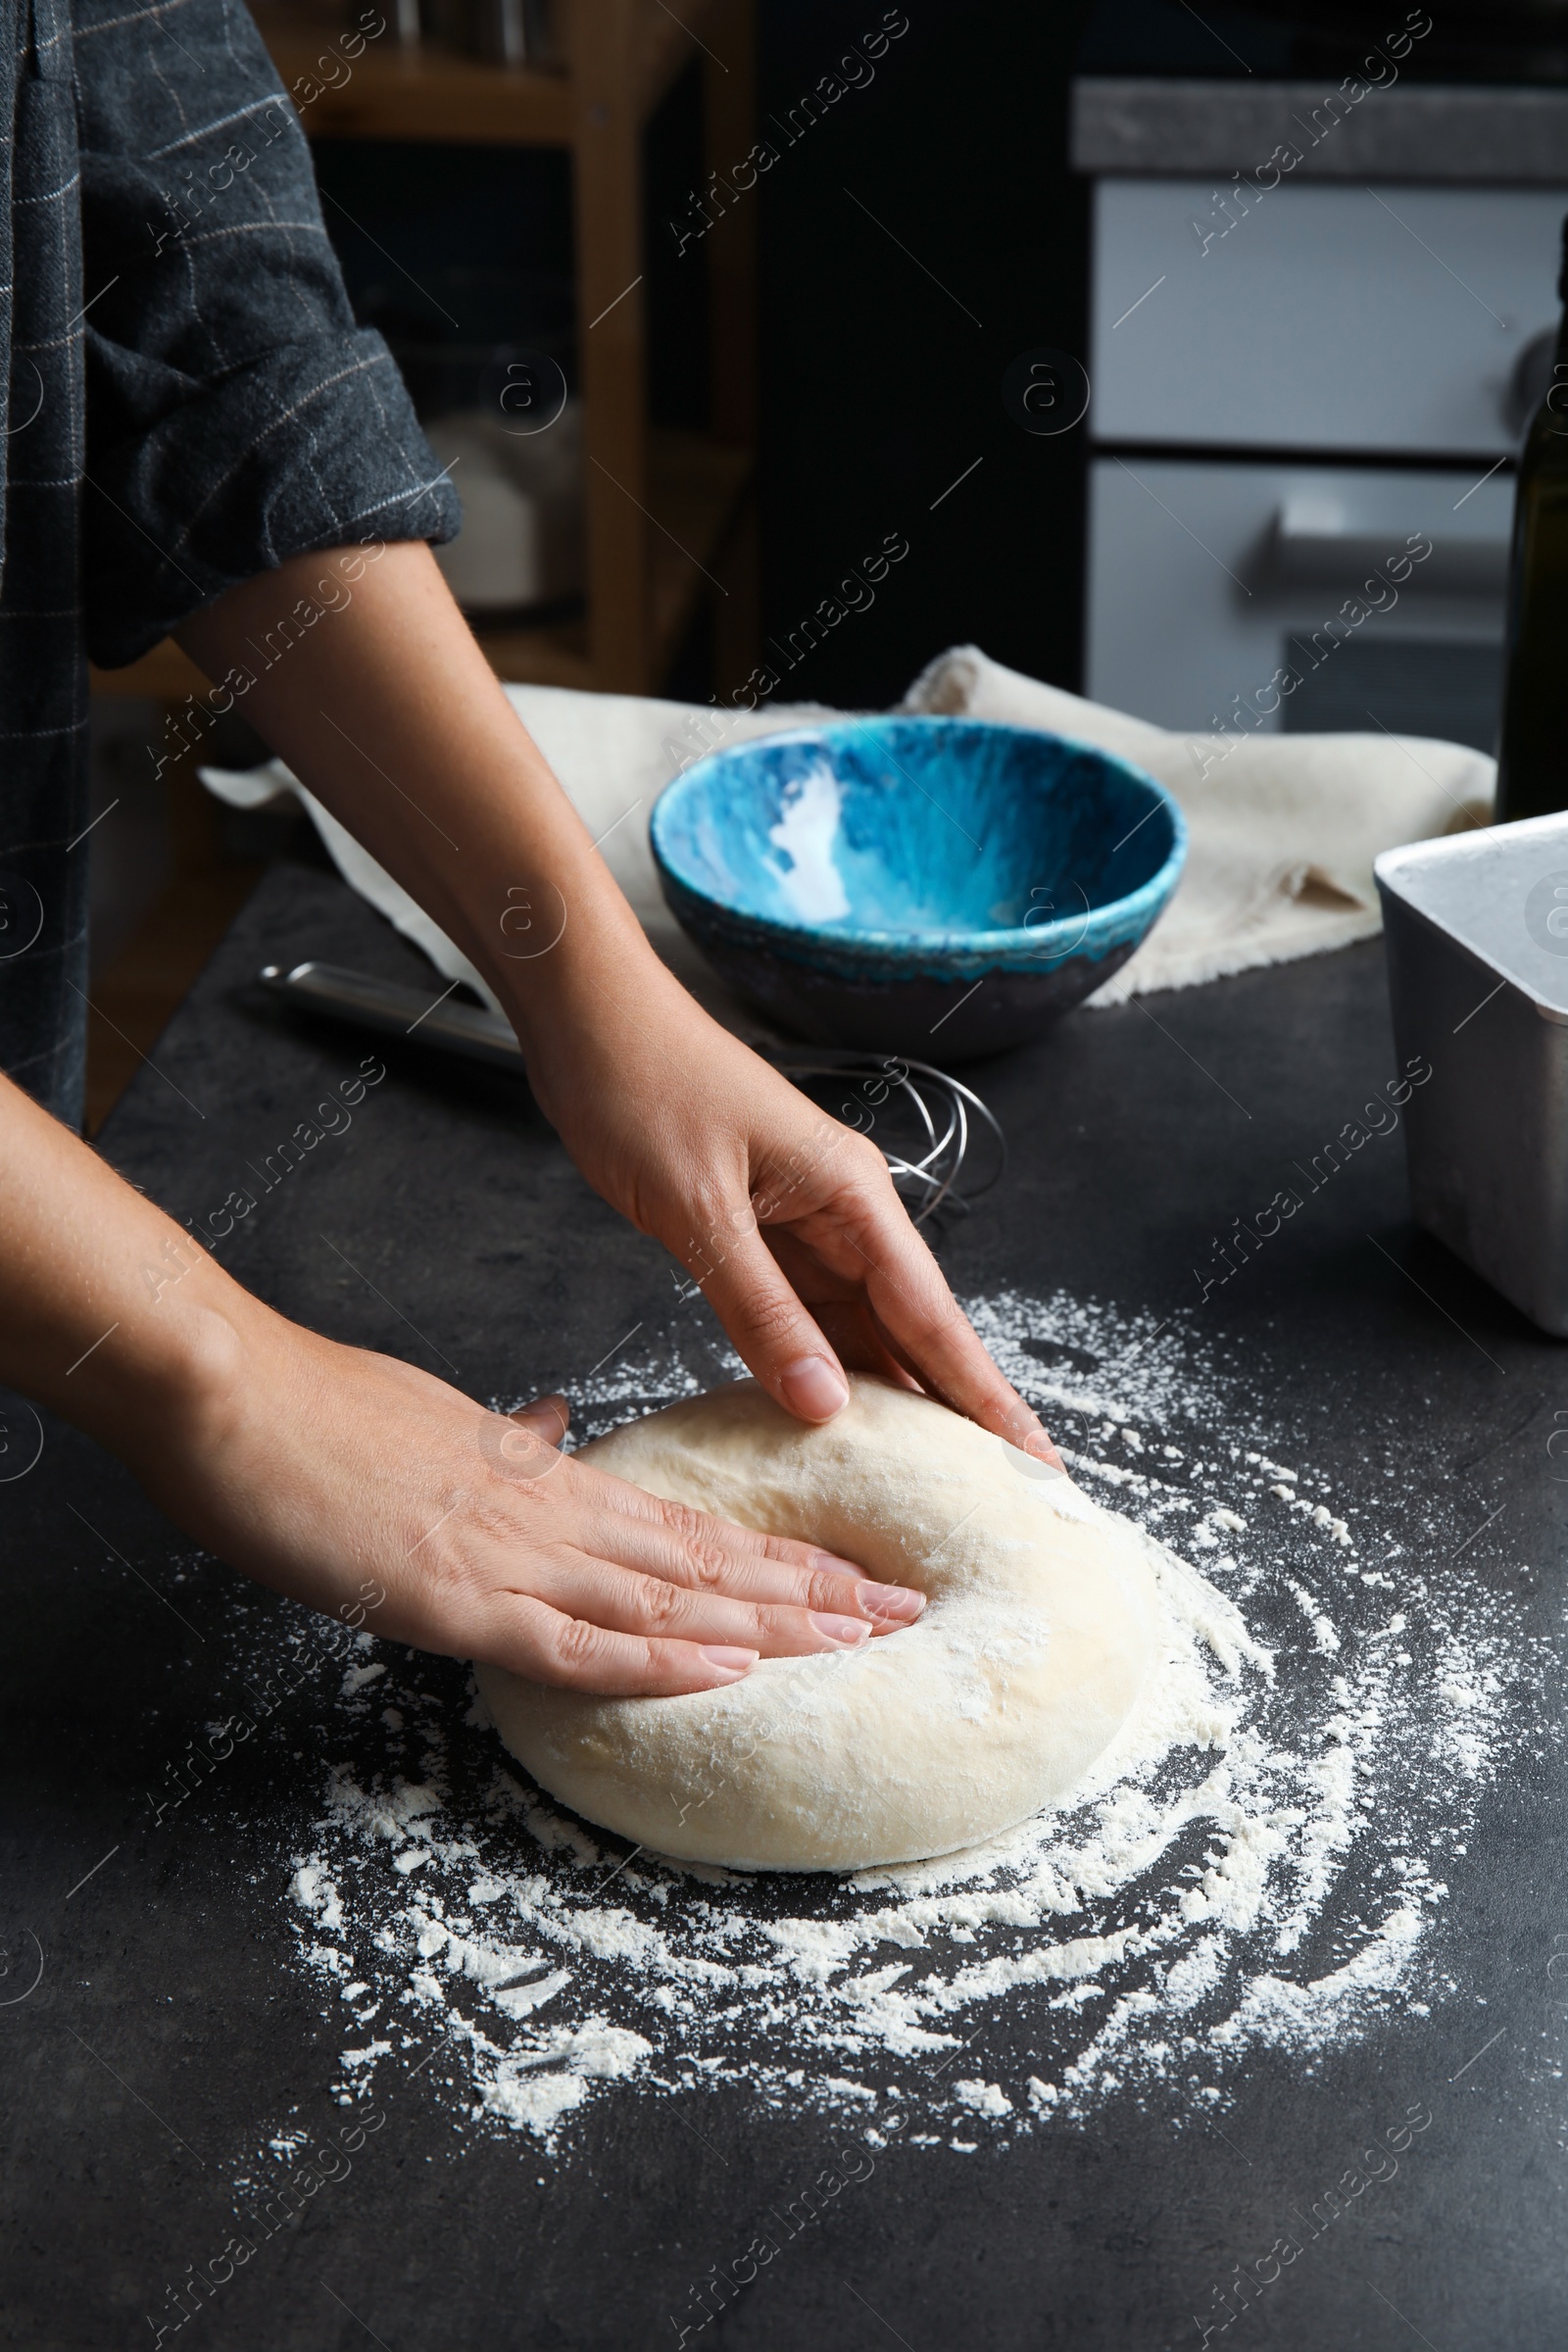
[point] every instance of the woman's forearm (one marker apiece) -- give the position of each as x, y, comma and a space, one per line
388, 711
110, 1313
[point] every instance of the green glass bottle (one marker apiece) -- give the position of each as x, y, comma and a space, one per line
1533, 749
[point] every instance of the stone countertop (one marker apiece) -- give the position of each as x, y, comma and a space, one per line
1479, 135
170, 2031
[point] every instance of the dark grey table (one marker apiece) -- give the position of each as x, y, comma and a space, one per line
154, 2018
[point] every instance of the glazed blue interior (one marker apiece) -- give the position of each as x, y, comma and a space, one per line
951, 831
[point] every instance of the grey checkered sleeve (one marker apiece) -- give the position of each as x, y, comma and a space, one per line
235, 414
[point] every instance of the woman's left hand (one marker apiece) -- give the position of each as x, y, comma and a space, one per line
785, 1218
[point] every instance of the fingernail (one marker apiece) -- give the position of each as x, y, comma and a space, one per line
1045, 1451
814, 1388
891, 1601
849, 1630
829, 1563
732, 1664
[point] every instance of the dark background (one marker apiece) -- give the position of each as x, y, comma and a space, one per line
878, 387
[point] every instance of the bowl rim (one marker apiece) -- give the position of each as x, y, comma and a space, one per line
1040, 943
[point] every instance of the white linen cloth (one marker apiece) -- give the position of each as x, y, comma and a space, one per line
1284, 828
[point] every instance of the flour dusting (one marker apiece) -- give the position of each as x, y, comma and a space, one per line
1260, 1859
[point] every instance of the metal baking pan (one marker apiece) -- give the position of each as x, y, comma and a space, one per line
1477, 933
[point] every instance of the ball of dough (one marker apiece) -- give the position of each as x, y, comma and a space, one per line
1037, 1636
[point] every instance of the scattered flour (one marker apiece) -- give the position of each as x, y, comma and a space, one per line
1258, 1859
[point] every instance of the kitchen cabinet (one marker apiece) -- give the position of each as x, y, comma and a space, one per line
1298, 367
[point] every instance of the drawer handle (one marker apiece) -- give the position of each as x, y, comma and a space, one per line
1308, 547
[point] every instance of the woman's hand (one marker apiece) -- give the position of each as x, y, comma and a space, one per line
322, 1470
332, 1474
786, 1219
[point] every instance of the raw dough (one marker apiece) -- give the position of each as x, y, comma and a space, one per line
1037, 1638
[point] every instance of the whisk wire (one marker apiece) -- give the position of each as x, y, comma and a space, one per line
937, 1171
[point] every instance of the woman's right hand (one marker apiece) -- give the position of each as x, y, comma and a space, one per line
321, 1470
330, 1473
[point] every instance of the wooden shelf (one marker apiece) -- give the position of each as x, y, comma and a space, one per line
428, 92
557, 656
666, 43
695, 491
165, 674
663, 512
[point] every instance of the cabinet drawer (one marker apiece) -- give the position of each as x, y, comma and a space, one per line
1205, 579
1322, 317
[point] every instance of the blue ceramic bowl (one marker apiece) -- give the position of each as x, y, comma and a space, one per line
938, 887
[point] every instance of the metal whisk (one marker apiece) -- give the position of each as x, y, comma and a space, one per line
934, 1174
